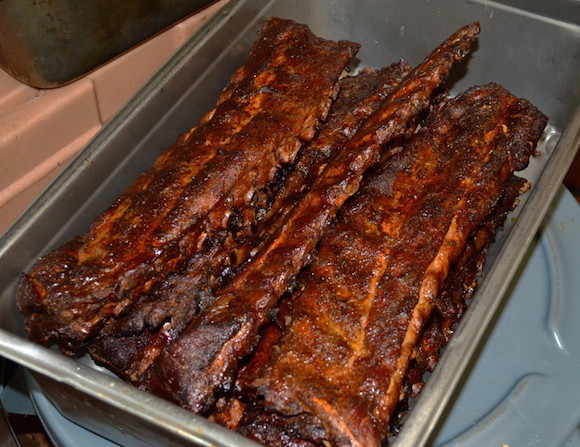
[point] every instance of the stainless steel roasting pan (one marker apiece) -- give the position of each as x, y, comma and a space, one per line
530, 47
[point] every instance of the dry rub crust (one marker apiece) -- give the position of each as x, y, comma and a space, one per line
171, 219
337, 372
204, 359
130, 355
176, 285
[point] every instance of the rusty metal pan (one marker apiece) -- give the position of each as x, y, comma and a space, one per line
530, 48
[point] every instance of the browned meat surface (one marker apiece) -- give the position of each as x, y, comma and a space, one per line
130, 353
293, 265
337, 372
449, 307
451, 302
204, 359
175, 215
359, 97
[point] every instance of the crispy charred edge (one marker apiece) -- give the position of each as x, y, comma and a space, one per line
271, 405
154, 227
232, 323
130, 354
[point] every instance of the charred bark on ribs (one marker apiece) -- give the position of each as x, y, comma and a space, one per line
130, 355
171, 230
452, 301
177, 286
337, 372
205, 357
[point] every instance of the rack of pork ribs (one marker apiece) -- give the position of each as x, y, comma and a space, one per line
291, 266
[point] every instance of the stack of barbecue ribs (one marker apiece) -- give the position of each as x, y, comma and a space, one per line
293, 264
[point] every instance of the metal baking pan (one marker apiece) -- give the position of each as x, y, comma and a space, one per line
529, 51
49, 43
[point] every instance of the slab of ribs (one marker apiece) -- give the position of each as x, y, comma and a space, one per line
293, 265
